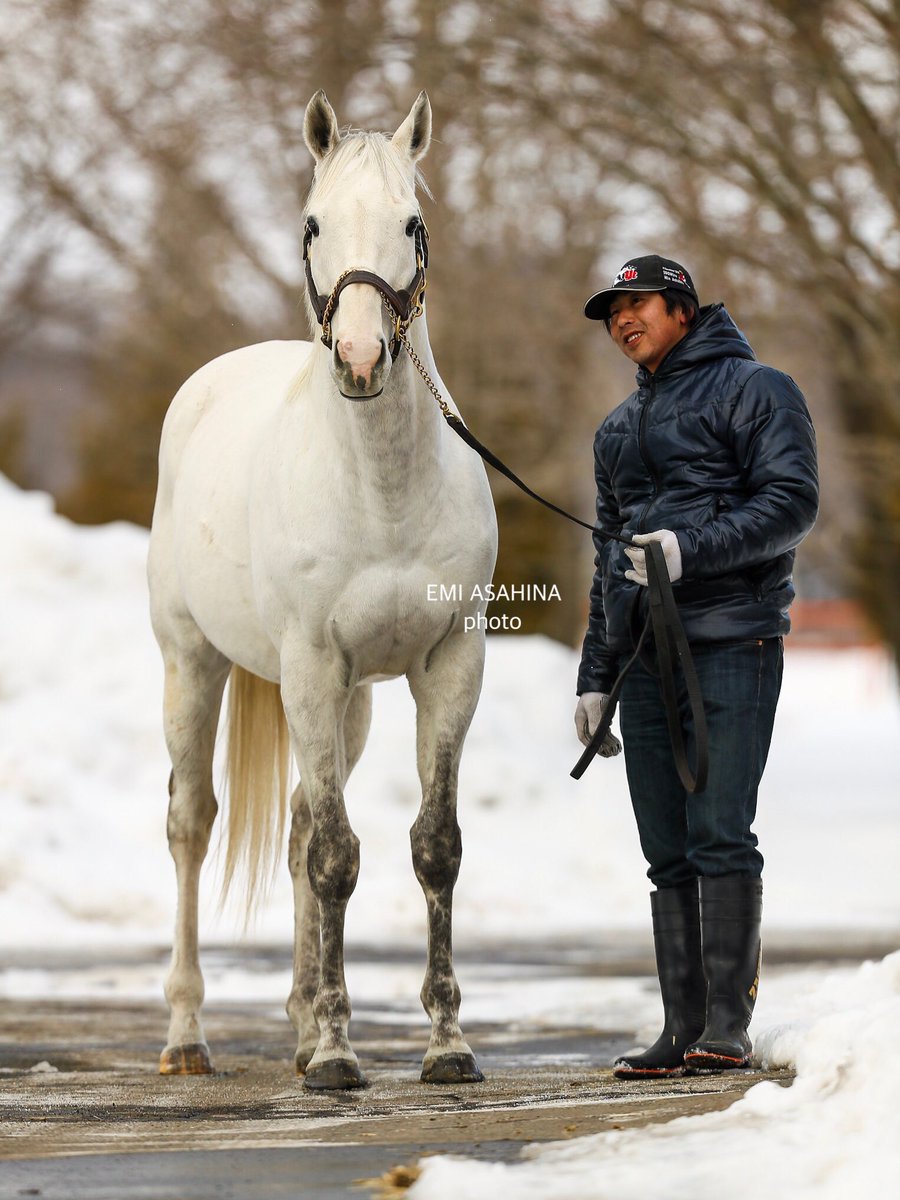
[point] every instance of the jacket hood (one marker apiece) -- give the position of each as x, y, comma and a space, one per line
715, 335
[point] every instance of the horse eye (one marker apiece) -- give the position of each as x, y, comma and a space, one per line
313, 226
412, 225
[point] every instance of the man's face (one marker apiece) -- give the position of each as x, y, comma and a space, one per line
642, 328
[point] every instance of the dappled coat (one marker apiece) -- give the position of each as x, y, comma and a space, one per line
719, 448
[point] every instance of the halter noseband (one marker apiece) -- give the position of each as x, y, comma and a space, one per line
405, 304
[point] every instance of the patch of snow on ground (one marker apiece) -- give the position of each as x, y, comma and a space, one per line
829, 1136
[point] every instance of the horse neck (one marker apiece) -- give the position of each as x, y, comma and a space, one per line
393, 444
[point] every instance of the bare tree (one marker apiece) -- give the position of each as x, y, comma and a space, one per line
158, 157
762, 136
156, 177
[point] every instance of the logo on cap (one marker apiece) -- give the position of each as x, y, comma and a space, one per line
626, 275
672, 276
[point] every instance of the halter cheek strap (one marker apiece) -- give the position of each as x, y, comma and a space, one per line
405, 304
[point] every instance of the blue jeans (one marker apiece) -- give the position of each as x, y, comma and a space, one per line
684, 836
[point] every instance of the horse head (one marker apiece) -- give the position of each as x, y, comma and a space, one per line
364, 242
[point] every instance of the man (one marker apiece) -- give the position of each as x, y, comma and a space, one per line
714, 457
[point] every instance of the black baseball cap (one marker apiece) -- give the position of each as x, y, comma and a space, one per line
647, 274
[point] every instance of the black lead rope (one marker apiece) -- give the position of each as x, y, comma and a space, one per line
671, 645
489, 457
668, 636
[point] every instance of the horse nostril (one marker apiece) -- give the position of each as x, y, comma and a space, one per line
360, 356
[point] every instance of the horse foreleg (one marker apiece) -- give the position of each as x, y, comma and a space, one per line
306, 935
333, 865
315, 713
445, 695
306, 908
193, 697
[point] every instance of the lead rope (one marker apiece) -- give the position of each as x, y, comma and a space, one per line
663, 618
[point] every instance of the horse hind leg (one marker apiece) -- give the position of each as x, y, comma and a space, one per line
194, 684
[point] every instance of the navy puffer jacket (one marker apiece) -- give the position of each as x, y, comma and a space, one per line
719, 448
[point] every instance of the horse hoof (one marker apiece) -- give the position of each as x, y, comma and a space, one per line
192, 1059
336, 1074
302, 1057
452, 1068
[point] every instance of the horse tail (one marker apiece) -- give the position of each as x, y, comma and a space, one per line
257, 772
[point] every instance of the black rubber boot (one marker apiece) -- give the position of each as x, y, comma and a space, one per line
730, 914
676, 935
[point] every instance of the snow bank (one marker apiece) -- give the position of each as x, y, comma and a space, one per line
83, 860
833, 1134
81, 757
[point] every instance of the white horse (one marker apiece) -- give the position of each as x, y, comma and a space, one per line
307, 499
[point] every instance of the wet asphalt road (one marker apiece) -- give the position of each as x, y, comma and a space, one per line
104, 1125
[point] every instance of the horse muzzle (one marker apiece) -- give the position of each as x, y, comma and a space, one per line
360, 367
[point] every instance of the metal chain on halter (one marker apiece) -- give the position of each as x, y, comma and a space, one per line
330, 306
419, 365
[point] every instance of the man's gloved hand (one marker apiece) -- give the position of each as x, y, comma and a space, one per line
588, 715
670, 548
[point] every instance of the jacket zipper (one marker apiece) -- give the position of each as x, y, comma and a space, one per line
644, 452
639, 606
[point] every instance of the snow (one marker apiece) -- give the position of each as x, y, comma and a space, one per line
829, 1136
84, 863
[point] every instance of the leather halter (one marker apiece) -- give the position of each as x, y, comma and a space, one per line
406, 304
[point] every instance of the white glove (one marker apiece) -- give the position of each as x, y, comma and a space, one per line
588, 715
670, 548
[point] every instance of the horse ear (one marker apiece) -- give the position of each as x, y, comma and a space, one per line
414, 135
320, 129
